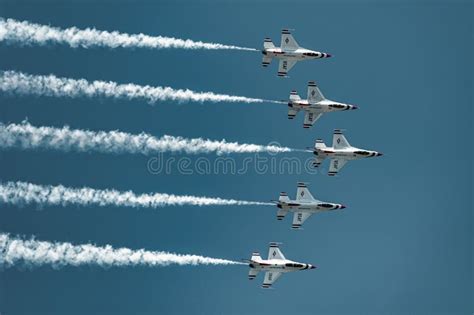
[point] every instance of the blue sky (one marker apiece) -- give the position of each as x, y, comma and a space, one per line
403, 245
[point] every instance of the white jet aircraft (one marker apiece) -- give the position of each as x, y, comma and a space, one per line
289, 53
315, 106
275, 265
340, 153
303, 207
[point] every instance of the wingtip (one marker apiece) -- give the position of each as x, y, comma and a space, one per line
275, 244
302, 184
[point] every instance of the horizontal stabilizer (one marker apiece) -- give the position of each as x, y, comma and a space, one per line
294, 96
292, 113
317, 161
319, 144
281, 213
268, 44
283, 197
255, 256
253, 274
266, 61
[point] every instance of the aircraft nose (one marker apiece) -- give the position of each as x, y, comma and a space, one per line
343, 207
328, 55
355, 107
379, 154
312, 267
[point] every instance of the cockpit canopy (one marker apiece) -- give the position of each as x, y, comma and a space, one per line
362, 152
325, 205
294, 265
311, 54
337, 106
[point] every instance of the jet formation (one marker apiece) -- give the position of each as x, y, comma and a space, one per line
304, 205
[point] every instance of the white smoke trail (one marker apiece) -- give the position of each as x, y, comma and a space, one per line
21, 193
18, 252
26, 136
50, 85
26, 33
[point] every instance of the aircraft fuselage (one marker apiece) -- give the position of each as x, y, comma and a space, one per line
308, 206
279, 265
324, 106
350, 153
297, 54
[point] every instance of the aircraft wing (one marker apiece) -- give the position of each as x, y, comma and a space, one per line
284, 66
310, 118
299, 218
270, 278
335, 166
274, 252
287, 41
302, 192
314, 93
339, 141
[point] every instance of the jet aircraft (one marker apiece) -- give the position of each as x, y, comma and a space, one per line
314, 106
340, 153
289, 53
274, 266
303, 206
